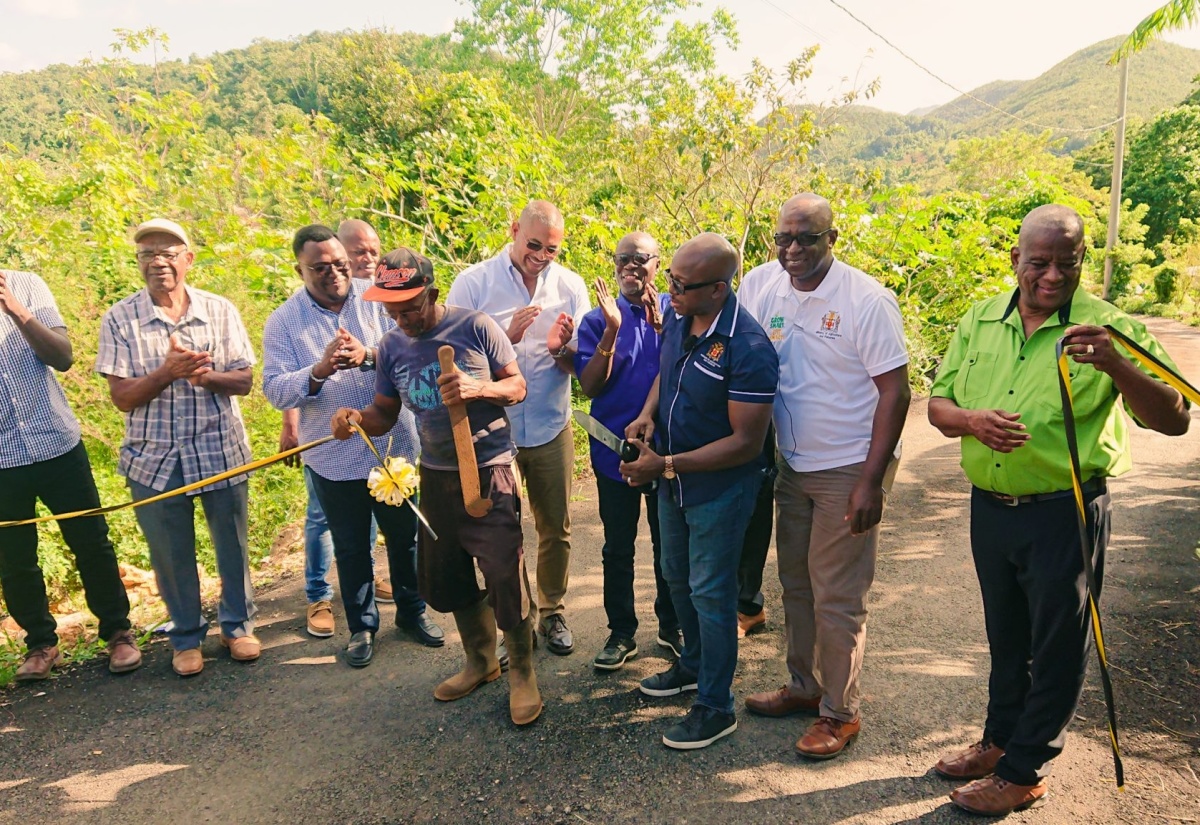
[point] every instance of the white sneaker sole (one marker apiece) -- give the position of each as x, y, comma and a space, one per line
675, 691
320, 634
702, 743
630, 655
664, 643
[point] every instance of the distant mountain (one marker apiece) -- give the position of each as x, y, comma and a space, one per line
1078, 93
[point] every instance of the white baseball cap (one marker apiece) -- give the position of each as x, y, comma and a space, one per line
161, 225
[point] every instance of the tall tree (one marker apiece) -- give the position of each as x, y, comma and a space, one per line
1176, 14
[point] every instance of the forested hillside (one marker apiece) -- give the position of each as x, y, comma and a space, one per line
622, 119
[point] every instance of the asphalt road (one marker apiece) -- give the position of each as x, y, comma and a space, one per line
301, 737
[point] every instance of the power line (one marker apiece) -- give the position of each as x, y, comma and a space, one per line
820, 37
950, 85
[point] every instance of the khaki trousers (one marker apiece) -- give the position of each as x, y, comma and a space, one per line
547, 471
825, 573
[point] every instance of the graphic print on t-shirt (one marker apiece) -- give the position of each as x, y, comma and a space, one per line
423, 390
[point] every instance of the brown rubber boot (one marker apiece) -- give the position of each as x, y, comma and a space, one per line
524, 700
477, 627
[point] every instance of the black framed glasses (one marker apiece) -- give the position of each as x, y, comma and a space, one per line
538, 246
785, 239
147, 256
415, 311
624, 259
678, 287
325, 269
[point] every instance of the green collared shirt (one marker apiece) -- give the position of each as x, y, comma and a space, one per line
990, 365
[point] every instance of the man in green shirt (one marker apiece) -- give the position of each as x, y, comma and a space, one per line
997, 390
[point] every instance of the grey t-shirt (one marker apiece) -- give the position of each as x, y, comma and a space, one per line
408, 369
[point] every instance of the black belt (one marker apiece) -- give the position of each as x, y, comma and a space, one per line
1092, 487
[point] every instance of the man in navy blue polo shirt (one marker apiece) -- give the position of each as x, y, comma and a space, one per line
617, 363
710, 408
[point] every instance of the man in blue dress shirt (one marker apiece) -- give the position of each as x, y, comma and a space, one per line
617, 363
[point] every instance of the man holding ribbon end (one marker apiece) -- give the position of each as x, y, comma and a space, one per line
456, 370
998, 391
319, 355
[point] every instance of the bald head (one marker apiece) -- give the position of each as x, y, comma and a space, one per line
362, 246
1054, 218
636, 262
541, 212
701, 270
814, 208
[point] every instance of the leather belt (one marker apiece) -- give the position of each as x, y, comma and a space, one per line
1092, 487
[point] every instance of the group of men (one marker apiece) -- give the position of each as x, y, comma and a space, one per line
808, 348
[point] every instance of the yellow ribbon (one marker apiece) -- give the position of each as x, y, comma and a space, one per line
1172, 379
394, 481
178, 491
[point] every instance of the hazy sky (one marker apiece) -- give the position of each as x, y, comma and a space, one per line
965, 43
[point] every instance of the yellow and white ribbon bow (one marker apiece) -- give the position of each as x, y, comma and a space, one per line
394, 481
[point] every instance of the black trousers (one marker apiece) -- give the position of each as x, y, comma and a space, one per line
348, 507
1030, 569
64, 485
755, 546
620, 512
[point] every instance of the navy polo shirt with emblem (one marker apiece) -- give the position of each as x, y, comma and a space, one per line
733, 361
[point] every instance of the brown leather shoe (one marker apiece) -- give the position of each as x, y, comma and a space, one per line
751, 624
242, 648
383, 591
38, 664
993, 796
974, 762
827, 738
781, 703
123, 652
320, 619
187, 662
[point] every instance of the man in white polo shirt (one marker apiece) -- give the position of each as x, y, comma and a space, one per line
530, 296
843, 395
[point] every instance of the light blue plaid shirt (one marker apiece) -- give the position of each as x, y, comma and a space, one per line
187, 424
294, 339
36, 420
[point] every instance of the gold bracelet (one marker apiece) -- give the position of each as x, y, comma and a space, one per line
607, 353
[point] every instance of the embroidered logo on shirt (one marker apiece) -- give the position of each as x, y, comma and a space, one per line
828, 328
714, 352
775, 332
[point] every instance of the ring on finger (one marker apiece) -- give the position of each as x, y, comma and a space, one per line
1090, 349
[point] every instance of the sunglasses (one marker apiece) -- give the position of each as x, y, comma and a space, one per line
678, 287
537, 246
785, 239
323, 269
624, 259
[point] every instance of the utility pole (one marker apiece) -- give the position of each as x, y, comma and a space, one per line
1114, 204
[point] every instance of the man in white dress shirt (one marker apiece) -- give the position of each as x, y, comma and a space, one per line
535, 300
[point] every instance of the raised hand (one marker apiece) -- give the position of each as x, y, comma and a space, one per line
521, 321
608, 305
650, 304
560, 332
185, 363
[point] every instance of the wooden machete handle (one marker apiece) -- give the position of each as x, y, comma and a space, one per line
464, 448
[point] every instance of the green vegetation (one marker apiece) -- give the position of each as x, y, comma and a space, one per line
614, 110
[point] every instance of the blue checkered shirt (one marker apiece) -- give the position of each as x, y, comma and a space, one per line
201, 429
294, 339
36, 420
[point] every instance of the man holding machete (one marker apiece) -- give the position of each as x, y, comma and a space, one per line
485, 381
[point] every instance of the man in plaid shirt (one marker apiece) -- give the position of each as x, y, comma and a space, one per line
175, 358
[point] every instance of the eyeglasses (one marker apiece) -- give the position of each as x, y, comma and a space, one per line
624, 259
785, 239
1041, 265
147, 256
412, 313
324, 269
678, 287
536, 246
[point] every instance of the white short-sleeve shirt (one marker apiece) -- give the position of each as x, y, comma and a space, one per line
831, 343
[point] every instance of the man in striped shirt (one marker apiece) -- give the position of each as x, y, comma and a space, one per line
42, 457
175, 358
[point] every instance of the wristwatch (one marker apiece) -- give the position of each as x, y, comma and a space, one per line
368, 362
669, 470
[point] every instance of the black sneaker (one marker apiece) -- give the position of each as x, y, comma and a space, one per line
670, 682
700, 728
672, 641
616, 650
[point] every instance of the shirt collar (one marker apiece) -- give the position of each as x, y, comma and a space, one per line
824, 290
995, 313
146, 309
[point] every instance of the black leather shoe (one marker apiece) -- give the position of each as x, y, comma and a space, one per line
558, 635
424, 629
361, 648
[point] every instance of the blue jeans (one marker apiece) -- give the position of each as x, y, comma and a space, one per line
701, 546
348, 506
318, 547
170, 532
